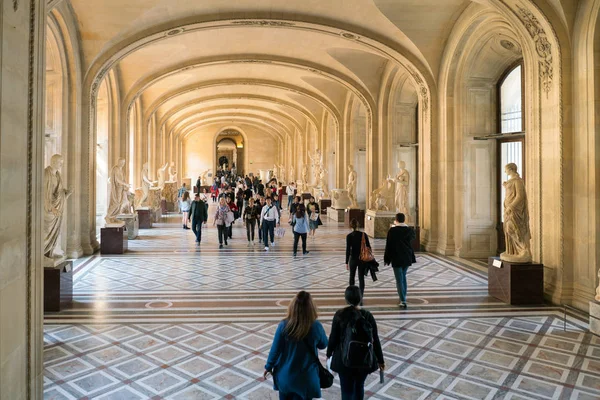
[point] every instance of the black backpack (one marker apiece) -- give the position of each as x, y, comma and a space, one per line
357, 344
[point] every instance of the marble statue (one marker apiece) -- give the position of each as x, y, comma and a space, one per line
55, 198
317, 162
351, 187
162, 171
598, 288
292, 172
304, 177
172, 172
204, 178
516, 218
118, 193
282, 173
323, 185
146, 185
382, 197
402, 188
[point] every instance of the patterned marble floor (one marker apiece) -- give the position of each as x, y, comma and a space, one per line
173, 320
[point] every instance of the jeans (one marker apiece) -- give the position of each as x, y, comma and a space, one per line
401, 286
353, 387
290, 201
354, 265
230, 231
297, 237
222, 229
250, 225
289, 396
268, 230
260, 231
197, 229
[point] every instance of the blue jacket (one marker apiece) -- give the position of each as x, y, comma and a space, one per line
294, 368
301, 224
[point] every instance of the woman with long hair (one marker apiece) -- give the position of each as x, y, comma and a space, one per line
313, 216
352, 377
300, 228
221, 221
185, 205
294, 368
353, 263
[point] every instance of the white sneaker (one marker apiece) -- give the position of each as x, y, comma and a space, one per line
266, 249
249, 243
272, 243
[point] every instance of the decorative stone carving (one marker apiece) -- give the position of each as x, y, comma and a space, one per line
162, 175
340, 199
402, 189
383, 197
542, 46
351, 187
55, 198
119, 190
172, 172
516, 218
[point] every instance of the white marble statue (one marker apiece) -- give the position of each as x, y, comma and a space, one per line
204, 178
146, 185
119, 190
323, 185
598, 288
162, 175
172, 172
55, 198
351, 187
304, 178
516, 218
402, 188
317, 163
282, 174
383, 197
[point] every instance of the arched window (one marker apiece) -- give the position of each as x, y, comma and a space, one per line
511, 101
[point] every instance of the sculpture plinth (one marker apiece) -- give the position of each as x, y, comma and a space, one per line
354, 213
169, 193
58, 287
516, 283
377, 223
145, 217
324, 204
131, 225
113, 239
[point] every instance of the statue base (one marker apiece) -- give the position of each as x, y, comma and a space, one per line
354, 213
163, 206
377, 223
58, 287
113, 240
516, 283
131, 225
145, 217
340, 199
306, 196
595, 317
336, 214
323, 205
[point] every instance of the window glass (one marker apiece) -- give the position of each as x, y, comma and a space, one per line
511, 115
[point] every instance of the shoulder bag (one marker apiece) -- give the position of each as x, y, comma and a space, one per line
325, 377
366, 254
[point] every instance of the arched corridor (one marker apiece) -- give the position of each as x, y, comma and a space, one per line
373, 107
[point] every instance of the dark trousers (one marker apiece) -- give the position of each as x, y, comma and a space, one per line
250, 225
268, 230
401, 285
260, 231
222, 229
297, 237
197, 228
289, 396
353, 387
354, 265
230, 231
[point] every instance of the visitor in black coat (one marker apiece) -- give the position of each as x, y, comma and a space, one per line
399, 253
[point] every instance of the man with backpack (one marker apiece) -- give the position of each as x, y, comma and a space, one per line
355, 346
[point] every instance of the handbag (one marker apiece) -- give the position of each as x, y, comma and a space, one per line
325, 377
366, 254
229, 218
314, 216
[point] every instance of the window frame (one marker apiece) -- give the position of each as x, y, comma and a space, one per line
501, 80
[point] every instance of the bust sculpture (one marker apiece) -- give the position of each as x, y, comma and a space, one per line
118, 193
162, 175
402, 187
55, 198
146, 185
172, 172
351, 187
516, 218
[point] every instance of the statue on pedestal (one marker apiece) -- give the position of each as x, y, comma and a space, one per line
323, 185
162, 175
204, 178
146, 185
382, 197
402, 188
304, 176
282, 174
119, 190
55, 198
516, 218
351, 187
172, 172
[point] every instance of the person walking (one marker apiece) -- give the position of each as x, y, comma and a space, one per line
184, 205
353, 363
399, 253
251, 214
300, 228
313, 216
222, 221
236, 214
198, 215
297, 341
260, 203
269, 217
290, 190
353, 246
214, 192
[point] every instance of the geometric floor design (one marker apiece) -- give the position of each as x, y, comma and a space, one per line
172, 320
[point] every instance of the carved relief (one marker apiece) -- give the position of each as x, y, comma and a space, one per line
542, 46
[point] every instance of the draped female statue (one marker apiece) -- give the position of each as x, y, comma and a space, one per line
516, 218
118, 192
55, 198
351, 186
402, 186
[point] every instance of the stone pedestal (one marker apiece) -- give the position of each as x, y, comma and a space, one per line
169, 191
340, 199
171, 207
58, 287
595, 317
131, 225
163, 206
377, 223
336, 214
354, 213
324, 204
306, 196
113, 239
145, 218
157, 214
516, 283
